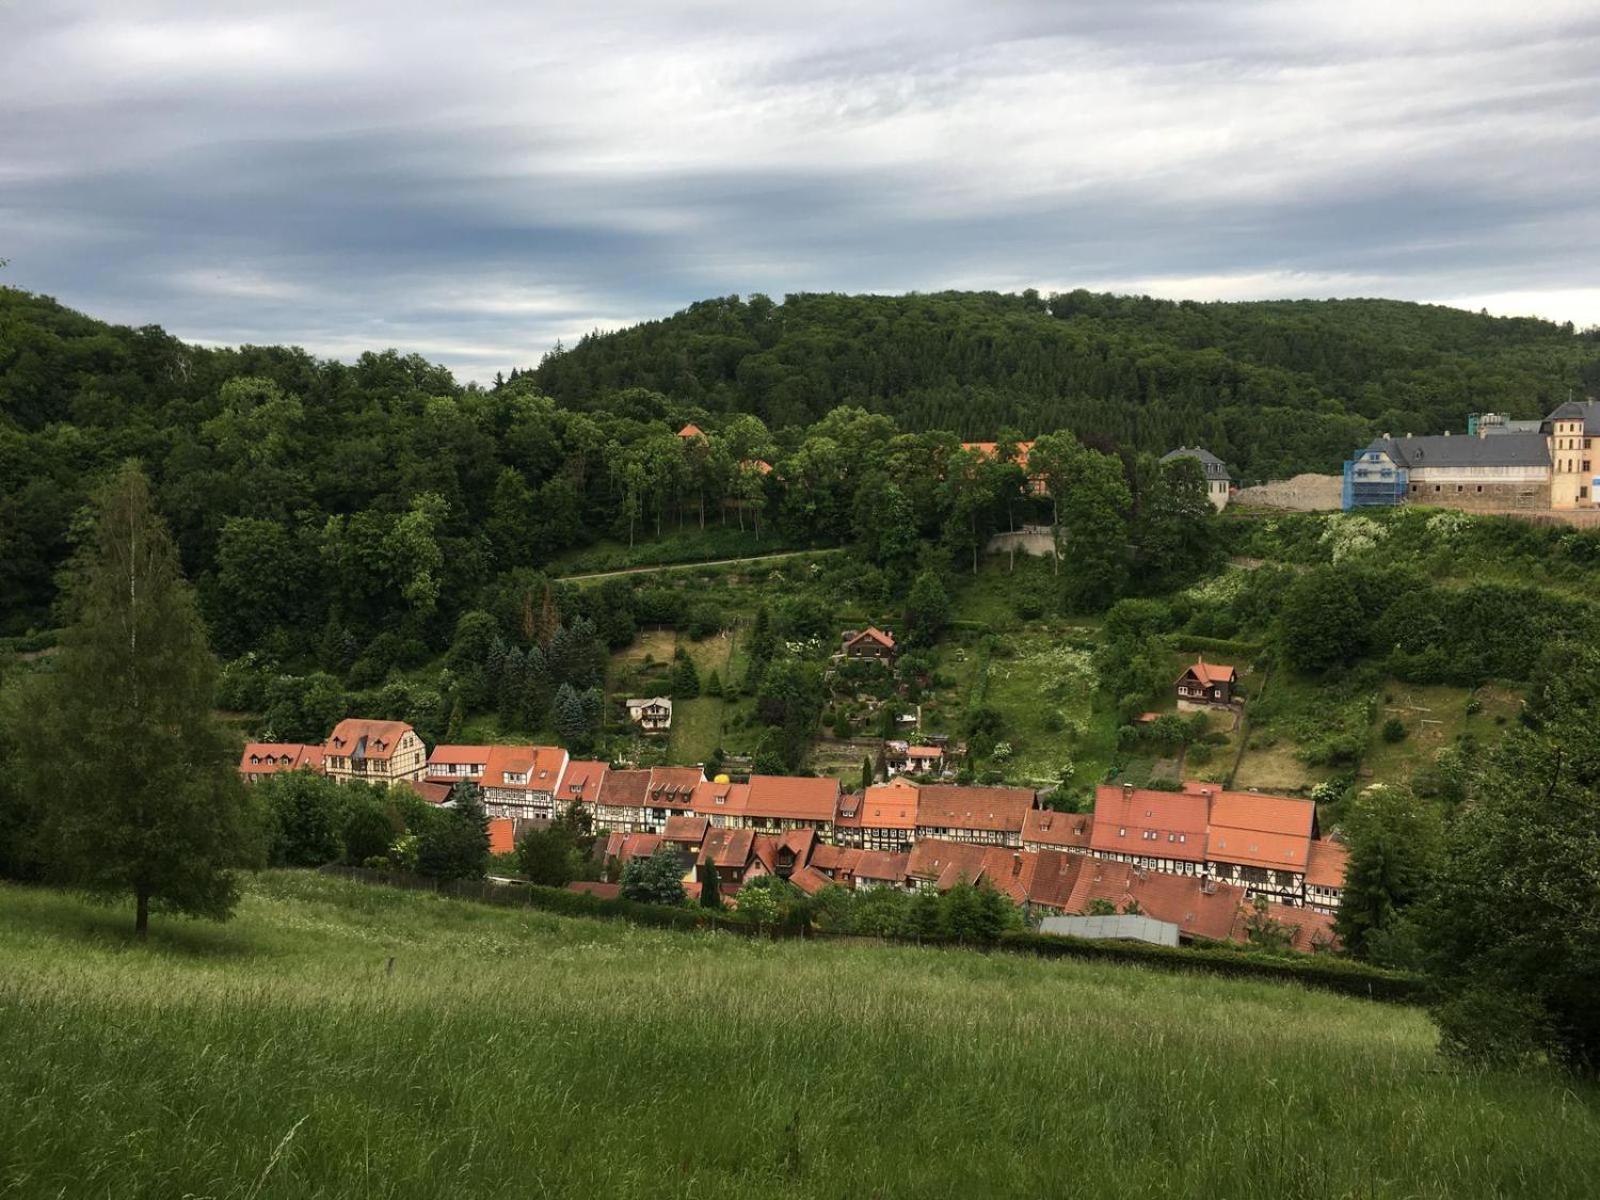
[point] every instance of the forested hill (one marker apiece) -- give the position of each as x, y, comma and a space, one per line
1273, 387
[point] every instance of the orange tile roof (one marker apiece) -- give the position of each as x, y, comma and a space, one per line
785, 797
1050, 828
1123, 816
1053, 876
469, 756
673, 787
932, 858
874, 634
502, 835
691, 430
887, 807
1209, 673
377, 739
636, 845
1326, 864
725, 799
583, 781
1261, 831
268, 758
800, 843
980, 808
988, 450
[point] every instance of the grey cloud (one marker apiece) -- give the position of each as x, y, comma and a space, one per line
477, 184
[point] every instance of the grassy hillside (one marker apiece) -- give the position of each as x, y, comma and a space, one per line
519, 1054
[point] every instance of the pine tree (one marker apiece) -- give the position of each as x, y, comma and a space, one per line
714, 685
567, 714
685, 679
710, 885
134, 687
866, 773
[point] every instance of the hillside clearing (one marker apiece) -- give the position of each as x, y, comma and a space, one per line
513, 1053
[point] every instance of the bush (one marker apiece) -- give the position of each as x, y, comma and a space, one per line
1394, 730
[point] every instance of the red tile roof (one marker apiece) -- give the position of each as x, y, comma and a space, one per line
784, 797
376, 739
1199, 908
691, 430
1053, 875
877, 865
673, 787
932, 859
1049, 828
690, 831
988, 450
625, 789
1175, 823
431, 791
543, 766
800, 843
268, 758
1308, 929
589, 887
810, 880
730, 848
999, 809
1326, 864
635, 845
840, 860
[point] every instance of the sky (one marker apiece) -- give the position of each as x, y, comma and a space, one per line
476, 182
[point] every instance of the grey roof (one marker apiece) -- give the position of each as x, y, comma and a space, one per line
1119, 928
1502, 450
1589, 410
1215, 467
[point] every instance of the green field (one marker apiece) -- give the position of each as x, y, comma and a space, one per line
515, 1053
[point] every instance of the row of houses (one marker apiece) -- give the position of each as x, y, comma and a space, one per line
1042, 882
1263, 845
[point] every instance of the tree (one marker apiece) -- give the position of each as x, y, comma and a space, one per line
1321, 624
759, 906
545, 857
685, 679
454, 843
134, 687
866, 772
1395, 842
654, 880
1512, 933
1093, 531
307, 817
927, 610
710, 885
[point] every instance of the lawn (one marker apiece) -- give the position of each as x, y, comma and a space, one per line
1433, 718
514, 1053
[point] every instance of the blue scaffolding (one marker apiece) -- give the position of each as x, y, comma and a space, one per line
1373, 479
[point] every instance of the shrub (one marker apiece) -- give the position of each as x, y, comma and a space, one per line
1394, 730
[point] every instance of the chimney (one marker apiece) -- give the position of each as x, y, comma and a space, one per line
1016, 864
1127, 792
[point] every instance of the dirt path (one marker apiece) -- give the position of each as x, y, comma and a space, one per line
704, 562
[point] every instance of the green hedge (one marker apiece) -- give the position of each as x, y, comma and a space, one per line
1331, 974
30, 643
1202, 644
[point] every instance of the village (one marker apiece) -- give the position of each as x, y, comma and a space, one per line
1199, 863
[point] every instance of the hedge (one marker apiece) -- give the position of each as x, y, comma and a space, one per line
1200, 643
1330, 974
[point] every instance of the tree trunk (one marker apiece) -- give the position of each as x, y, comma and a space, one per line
141, 914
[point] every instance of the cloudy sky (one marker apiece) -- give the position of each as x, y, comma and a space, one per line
473, 182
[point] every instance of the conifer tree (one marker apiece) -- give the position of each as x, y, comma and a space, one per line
136, 776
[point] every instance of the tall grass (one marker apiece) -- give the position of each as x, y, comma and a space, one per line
514, 1053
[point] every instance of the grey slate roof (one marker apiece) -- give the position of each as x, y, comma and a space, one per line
1215, 468
1589, 410
1502, 450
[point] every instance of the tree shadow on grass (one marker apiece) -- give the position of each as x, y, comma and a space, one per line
69, 915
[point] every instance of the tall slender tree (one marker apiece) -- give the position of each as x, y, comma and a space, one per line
135, 773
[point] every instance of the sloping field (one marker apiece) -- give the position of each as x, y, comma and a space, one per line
517, 1054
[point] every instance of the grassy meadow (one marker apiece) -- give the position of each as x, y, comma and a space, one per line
517, 1054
